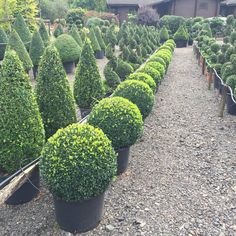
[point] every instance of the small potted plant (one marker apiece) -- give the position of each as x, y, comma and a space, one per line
99, 54
164, 34
100, 39
69, 51
78, 163
181, 37
122, 122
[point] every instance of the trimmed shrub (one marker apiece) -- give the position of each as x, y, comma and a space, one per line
158, 59
88, 87
181, 34
98, 34
155, 74
68, 49
221, 58
95, 45
164, 35
172, 22
55, 99
110, 36
111, 77
123, 69
147, 79
138, 93
16, 44
75, 34
21, 127
229, 52
125, 53
44, 33
132, 43
75, 16
226, 39
23, 31
134, 58
3, 43
58, 31
109, 52
224, 47
158, 66
215, 48
84, 156
36, 48
227, 71
165, 56
231, 82
119, 119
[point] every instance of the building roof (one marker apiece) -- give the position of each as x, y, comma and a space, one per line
135, 2
229, 2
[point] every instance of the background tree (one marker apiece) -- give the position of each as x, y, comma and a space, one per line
98, 5
147, 16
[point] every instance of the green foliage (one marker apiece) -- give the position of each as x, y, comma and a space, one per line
158, 59
36, 48
233, 37
224, 47
55, 99
158, 66
58, 31
230, 20
3, 43
221, 58
68, 49
231, 82
109, 52
44, 33
75, 34
111, 77
99, 37
123, 69
165, 55
138, 93
88, 87
181, 34
119, 119
82, 155
132, 43
98, 5
110, 36
125, 53
226, 39
229, 52
164, 35
227, 71
21, 127
155, 74
147, 16
16, 44
75, 16
215, 48
95, 45
134, 58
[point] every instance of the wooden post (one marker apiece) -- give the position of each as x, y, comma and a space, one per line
223, 101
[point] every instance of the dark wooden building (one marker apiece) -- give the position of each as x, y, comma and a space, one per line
228, 7
186, 8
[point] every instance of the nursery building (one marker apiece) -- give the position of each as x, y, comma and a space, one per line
186, 8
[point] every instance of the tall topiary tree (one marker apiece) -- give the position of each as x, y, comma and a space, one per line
58, 31
23, 30
21, 127
16, 44
75, 34
44, 33
98, 34
55, 99
95, 45
88, 87
3, 42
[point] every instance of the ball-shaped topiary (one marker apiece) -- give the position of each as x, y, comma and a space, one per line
55, 99
138, 93
165, 56
224, 47
16, 44
140, 76
78, 163
164, 34
158, 59
68, 49
155, 74
227, 71
88, 87
123, 69
36, 48
119, 119
158, 66
58, 31
3, 43
44, 33
215, 48
21, 127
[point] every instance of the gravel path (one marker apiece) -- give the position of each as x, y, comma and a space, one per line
182, 174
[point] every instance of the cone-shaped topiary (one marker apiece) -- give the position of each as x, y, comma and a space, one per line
23, 31
44, 33
125, 53
75, 34
181, 36
3, 43
68, 49
16, 44
88, 87
119, 119
98, 34
58, 31
134, 58
164, 35
111, 77
138, 93
55, 99
144, 78
95, 45
36, 48
84, 156
21, 127
109, 52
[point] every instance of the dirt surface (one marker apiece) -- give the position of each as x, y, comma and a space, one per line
182, 174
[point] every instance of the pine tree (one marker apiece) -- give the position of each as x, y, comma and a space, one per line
55, 99
21, 128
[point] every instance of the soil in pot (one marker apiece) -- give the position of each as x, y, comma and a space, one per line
78, 217
28, 191
122, 160
84, 112
231, 104
99, 55
69, 67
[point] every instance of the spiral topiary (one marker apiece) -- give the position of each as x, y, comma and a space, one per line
119, 119
78, 154
138, 93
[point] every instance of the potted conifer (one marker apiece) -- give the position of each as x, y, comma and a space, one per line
78, 164
44, 33
21, 128
75, 34
101, 42
181, 37
95, 45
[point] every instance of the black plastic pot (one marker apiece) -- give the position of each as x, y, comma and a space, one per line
162, 41
190, 42
27, 191
122, 160
78, 217
217, 81
69, 67
84, 112
231, 103
99, 55
35, 71
181, 43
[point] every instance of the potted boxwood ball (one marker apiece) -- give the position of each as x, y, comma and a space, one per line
138, 93
78, 164
122, 122
69, 51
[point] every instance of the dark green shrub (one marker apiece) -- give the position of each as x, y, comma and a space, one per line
172, 22
111, 77
229, 52
110, 36
44, 33
231, 82
144, 52
21, 127
181, 34
88, 87
16, 44
227, 71
164, 34
215, 48
123, 69
132, 43
58, 31
95, 45
68, 49
233, 60
149, 49
221, 58
23, 31
109, 52
230, 20
3, 43
75, 34
224, 47
138, 93
213, 58
36, 48
98, 34
152, 72
125, 53
93, 22
226, 39
75, 16
119, 119
73, 155
233, 37
55, 99
134, 58
158, 66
